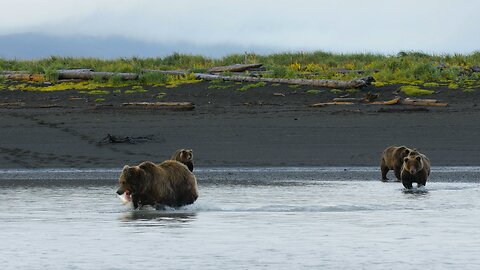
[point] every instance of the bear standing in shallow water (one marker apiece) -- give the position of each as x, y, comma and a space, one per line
168, 183
184, 156
392, 159
415, 169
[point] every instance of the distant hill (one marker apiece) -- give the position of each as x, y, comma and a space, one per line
34, 46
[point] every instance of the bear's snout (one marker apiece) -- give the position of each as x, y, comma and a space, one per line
120, 191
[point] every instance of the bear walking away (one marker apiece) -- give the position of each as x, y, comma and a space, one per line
184, 156
168, 183
415, 169
392, 159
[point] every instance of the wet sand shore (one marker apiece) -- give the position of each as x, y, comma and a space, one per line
251, 128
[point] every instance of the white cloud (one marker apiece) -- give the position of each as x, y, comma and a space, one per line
342, 25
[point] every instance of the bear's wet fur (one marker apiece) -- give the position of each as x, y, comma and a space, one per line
392, 159
184, 156
415, 169
169, 183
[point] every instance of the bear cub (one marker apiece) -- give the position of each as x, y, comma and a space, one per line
415, 169
184, 156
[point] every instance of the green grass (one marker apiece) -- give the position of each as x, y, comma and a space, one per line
217, 86
98, 92
100, 100
431, 84
313, 92
415, 68
412, 90
252, 85
453, 86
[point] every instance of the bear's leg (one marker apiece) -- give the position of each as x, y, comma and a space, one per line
190, 166
407, 184
135, 200
397, 173
384, 169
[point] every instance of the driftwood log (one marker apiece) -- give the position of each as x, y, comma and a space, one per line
423, 102
180, 106
349, 100
356, 83
88, 75
121, 139
395, 101
323, 104
235, 68
387, 102
66, 74
23, 77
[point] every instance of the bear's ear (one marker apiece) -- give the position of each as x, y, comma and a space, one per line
134, 168
126, 167
407, 151
405, 159
418, 158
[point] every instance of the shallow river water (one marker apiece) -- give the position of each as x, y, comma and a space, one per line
245, 218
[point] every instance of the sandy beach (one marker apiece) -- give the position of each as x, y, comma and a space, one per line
265, 126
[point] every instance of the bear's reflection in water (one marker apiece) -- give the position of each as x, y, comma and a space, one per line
161, 213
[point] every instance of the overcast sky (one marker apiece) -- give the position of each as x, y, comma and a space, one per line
379, 26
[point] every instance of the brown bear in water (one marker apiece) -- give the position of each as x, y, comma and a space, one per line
168, 183
184, 156
392, 159
416, 168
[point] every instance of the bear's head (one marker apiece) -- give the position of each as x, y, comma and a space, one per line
131, 180
186, 155
405, 151
413, 164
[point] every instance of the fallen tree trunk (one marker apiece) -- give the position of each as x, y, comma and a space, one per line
356, 83
423, 102
323, 104
183, 106
387, 102
234, 68
88, 75
24, 77
349, 100
66, 74
5, 72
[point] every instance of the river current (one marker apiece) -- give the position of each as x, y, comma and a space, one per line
245, 218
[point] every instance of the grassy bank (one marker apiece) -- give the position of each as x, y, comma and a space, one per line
410, 68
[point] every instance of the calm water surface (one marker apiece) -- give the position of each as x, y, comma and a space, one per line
281, 218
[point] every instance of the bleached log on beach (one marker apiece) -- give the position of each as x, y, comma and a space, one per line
5, 72
386, 102
356, 83
349, 100
423, 102
76, 70
323, 104
235, 68
67, 74
186, 106
23, 77
88, 75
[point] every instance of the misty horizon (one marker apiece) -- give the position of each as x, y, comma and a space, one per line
215, 28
